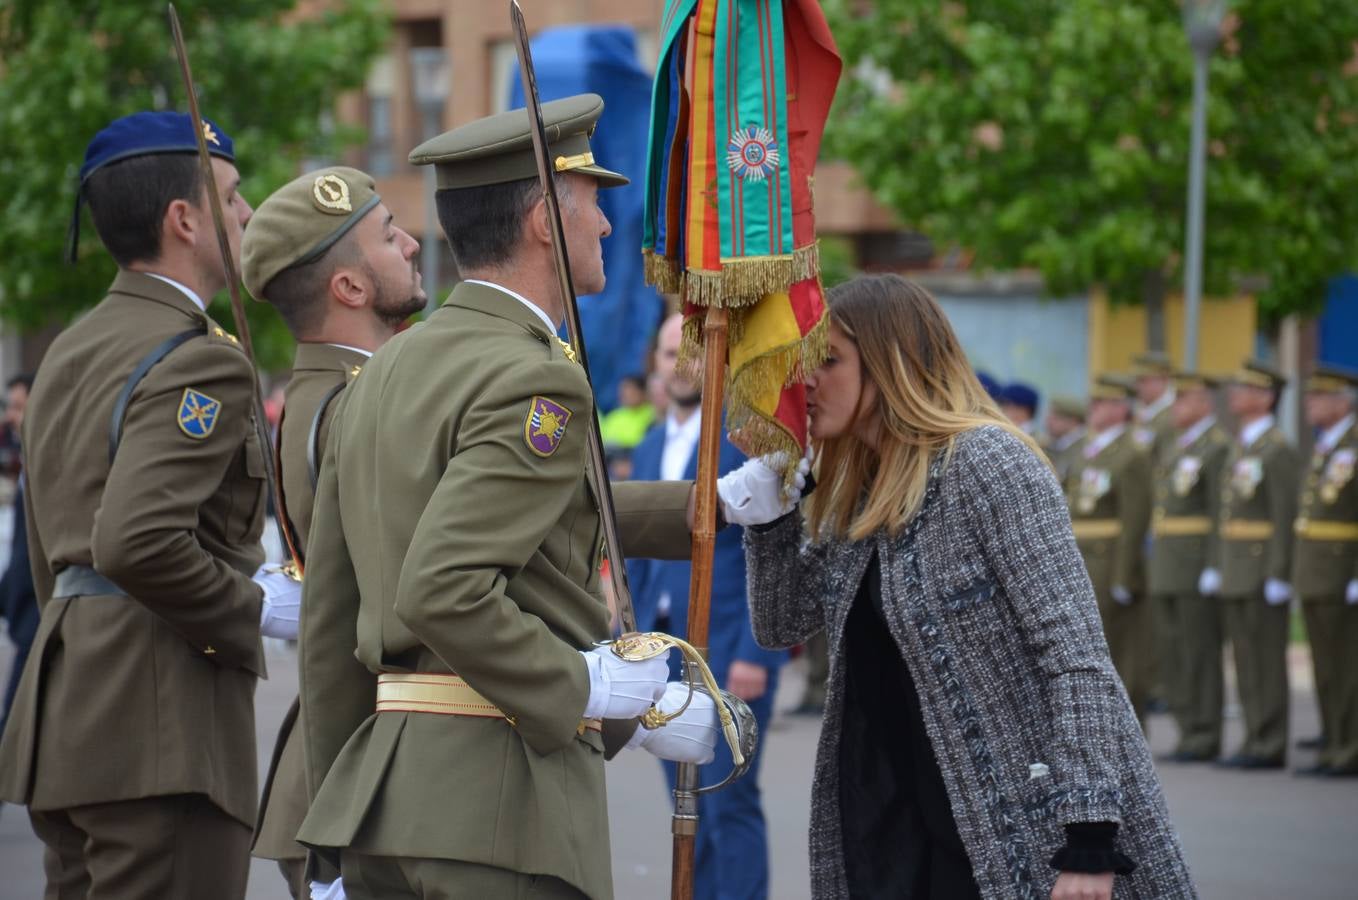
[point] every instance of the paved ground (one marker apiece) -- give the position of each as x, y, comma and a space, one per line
1264, 835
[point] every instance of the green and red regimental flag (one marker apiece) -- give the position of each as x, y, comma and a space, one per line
742, 92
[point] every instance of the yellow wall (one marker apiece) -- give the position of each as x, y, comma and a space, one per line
1226, 333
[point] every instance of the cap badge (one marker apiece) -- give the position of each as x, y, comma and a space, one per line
332, 194
209, 134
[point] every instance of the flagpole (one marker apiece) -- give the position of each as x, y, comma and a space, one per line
685, 827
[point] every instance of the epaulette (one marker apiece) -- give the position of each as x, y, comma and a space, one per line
221, 335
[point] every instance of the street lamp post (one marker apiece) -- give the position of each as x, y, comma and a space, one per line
1202, 22
429, 83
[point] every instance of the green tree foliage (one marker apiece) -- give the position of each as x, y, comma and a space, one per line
1054, 134
268, 76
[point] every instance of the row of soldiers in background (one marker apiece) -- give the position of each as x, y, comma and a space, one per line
1194, 535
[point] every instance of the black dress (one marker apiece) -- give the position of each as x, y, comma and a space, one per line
900, 839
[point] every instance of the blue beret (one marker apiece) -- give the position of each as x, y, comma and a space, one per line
992, 387
1019, 394
143, 134
147, 133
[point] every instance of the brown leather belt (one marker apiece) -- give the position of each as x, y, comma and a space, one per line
444, 695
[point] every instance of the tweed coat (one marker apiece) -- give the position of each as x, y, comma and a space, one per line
994, 614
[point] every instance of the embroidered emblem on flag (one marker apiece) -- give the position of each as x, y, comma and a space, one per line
752, 153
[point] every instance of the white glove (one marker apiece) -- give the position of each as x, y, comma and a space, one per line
691, 738
282, 602
1277, 592
620, 689
332, 891
754, 494
1121, 595
1351, 593
1209, 582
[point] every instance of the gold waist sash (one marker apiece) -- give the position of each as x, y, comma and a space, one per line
1181, 526
1311, 530
1246, 530
442, 694
1096, 529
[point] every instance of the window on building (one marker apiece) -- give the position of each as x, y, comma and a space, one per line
381, 90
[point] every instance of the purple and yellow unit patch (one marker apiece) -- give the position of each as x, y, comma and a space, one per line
545, 426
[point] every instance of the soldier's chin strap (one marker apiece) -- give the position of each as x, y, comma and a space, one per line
737, 722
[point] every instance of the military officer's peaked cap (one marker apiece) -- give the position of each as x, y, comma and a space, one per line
1257, 373
1112, 387
149, 133
144, 134
1327, 379
499, 148
1189, 381
1070, 407
303, 219
1153, 363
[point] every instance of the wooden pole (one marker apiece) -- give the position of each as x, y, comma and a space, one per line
685, 823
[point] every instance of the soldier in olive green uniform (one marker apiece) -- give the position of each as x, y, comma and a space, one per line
1183, 530
451, 705
322, 250
1325, 564
1254, 561
1065, 429
1110, 510
1153, 428
133, 737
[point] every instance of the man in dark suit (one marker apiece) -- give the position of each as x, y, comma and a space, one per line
732, 851
18, 601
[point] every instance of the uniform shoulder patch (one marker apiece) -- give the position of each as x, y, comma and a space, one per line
198, 414
545, 426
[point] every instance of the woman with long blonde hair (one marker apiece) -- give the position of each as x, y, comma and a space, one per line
977, 741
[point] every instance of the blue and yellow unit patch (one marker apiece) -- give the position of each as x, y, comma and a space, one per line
545, 426
198, 414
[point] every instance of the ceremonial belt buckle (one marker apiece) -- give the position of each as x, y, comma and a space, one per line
738, 723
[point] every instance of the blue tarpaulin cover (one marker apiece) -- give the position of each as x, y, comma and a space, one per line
602, 59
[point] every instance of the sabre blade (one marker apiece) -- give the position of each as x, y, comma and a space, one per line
617, 570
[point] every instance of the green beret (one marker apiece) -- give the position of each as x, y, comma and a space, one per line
499, 148
301, 220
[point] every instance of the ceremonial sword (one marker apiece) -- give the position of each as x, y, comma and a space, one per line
233, 286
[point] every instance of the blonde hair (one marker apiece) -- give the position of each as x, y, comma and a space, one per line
927, 394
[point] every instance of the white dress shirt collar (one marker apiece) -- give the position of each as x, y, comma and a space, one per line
186, 291
1331, 437
519, 297
1101, 440
359, 350
1189, 437
1255, 430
